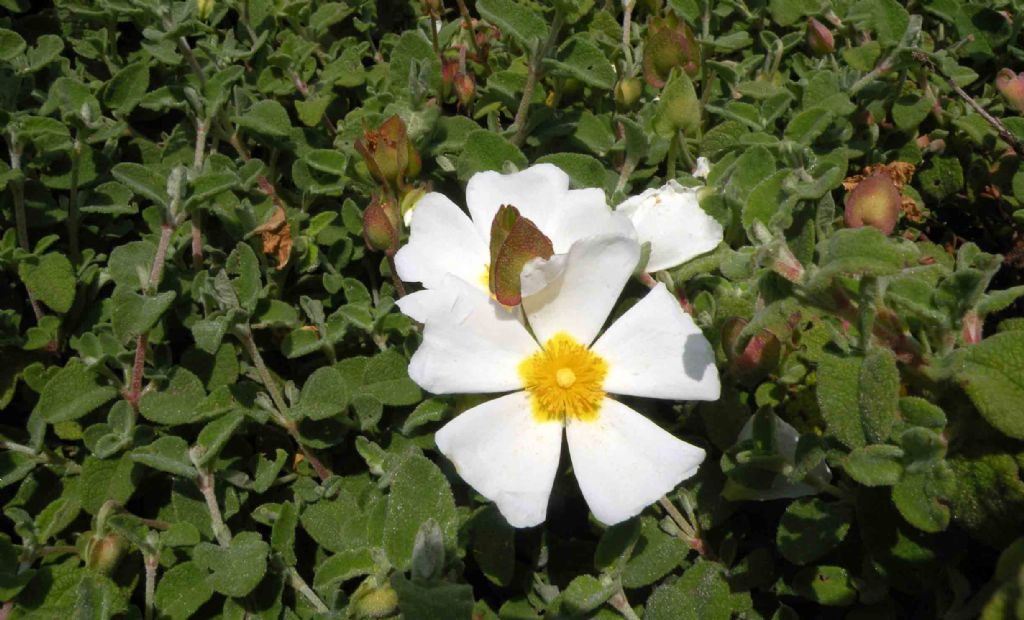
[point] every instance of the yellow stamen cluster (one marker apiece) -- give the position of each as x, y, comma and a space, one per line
565, 379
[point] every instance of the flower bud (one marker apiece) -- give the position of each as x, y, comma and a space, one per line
972, 325
204, 8
449, 69
387, 151
627, 93
757, 359
380, 225
875, 201
374, 600
1012, 87
104, 552
670, 43
465, 88
819, 38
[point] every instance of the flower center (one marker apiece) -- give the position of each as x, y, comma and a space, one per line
565, 380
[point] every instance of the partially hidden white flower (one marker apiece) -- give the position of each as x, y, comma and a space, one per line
559, 377
786, 439
443, 240
671, 220
702, 169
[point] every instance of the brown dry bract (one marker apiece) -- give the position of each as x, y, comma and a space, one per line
277, 237
901, 173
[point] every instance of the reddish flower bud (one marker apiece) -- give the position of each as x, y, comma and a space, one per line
380, 225
103, 553
819, 38
1012, 87
627, 93
387, 152
465, 88
449, 69
670, 43
874, 202
759, 357
972, 325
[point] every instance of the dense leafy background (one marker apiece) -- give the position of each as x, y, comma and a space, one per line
180, 180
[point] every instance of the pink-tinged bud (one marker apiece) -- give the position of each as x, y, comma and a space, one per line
387, 151
874, 202
380, 225
670, 43
449, 69
972, 325
627, 93
819, 38
465, 88
757, 359
1011, 85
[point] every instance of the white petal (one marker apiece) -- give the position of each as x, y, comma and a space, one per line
584, 213
671, 220
624, 462
442, 240
506, 455
702, 169
580, 298
536, 192
474, 346
657, 351
426, 304
786, 439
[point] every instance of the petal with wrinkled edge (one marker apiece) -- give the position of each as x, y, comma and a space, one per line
657, 351
624, 462
584, 213
442, 240
536, 192
476, 347
508, 456
671, 220
578, 300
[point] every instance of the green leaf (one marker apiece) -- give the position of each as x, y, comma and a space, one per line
486, 150
877, 465
419, 491
493, 545
941, 178
50, 278
177, 403
655, 555
432, 601
922, 496
143, 180
580, 58
337, 525
989, 497
134, 315
124, 91
324, 395
216, 434
129, 264
859, 396
586, 593
992, 374
11, 44
182, 590
343, 566
522, 22
678, 109
71, 393
267, 117
810, 528
701, 594
102, 480
826, 585
386, 378
168, 453
249, 284
237, 569
326, 160
210, 184
583, 170
282, 536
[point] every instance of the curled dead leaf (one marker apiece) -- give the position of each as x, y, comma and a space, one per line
276, 234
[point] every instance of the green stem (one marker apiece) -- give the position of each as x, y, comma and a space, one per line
150, 561
299, 584
621, 604
670, 165
205, 481
627, 49
73, 215
534, 73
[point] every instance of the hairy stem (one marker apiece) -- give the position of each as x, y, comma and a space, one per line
135, 384
399, 286
621, 604
296, 581
468, 20
73, 215
627, 49
534, 73
151, 561
20, 218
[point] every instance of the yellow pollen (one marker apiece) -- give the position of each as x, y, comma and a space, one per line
485, 277
564, 379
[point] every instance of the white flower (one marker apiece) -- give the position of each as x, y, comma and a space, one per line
444, 240
508, 448
702, 169
671, 220
786, 438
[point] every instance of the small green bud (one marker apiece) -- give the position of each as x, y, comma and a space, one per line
104, 552
204, 8
874, 202
373, 599
759, 357
819, 38
388, 153
1012, 87
627, 93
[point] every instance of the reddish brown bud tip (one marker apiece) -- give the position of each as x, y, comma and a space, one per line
670, 43
819, 38
759, 357
386, 151
380, 226
104, 553
874, 202
1011, 85
465, 88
